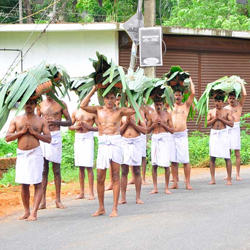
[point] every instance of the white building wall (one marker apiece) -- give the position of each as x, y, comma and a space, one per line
71, 49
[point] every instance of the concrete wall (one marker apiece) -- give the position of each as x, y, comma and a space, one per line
71, 49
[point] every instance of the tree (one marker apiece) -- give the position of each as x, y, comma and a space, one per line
28, 11
223, 14
7, 13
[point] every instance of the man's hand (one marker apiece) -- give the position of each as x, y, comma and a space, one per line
159, 121
128, 120
84, 125
24, 129
30, 129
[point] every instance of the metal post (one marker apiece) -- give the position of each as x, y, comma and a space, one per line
134, 45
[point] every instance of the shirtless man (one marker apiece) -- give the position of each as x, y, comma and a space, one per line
117, 105
28, 129
219, 146
82, 123
109, 150
132, 154
179, 152
160, 123
235, 106
146, 113
53, 112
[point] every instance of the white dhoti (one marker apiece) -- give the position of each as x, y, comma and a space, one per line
84, 149
179, 147
53, 151
132, 153
160, 154
144, 145
29, 166
219, 144
110, 149
234, 133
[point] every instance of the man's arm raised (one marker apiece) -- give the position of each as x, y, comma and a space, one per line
192, 93
244, 94
85, 102
127, 111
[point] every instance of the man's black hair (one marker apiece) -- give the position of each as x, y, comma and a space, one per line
159, 99
219, 97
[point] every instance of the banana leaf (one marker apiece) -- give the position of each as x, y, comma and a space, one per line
224, 84
23, 86
4, 114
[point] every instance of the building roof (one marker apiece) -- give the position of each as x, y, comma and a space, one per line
69, 27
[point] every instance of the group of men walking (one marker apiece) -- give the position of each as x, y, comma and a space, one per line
121, 141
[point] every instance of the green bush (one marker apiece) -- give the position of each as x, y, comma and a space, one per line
7, 148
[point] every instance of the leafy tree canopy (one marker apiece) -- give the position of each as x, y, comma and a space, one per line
223, 14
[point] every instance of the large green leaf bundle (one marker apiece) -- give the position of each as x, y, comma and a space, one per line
177, 79
23, 86
222, 86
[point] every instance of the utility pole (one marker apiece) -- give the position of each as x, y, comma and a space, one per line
20, 11
135, 45
149, 21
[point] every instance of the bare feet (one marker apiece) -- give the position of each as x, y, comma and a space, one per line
120, 202
154, 191
99, 212
114, 214
144, 182
229, 183
80, 196
31, 218
225, 178
172, 180
109, 187
212, 182
91, 197
188, 187
60, 205
131, 182
139, 201
167, 191
24, 217
42, 206
238, 178
174, 186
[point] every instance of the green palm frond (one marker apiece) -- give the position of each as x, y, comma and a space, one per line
24, 85
222, 86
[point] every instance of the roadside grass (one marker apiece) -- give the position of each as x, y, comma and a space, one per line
198, 151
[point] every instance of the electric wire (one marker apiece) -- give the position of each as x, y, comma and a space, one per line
11, 69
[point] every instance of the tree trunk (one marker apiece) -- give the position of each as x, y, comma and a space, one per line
28, 10
20, 11
100, 3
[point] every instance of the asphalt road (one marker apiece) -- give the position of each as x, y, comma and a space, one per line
209, 217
